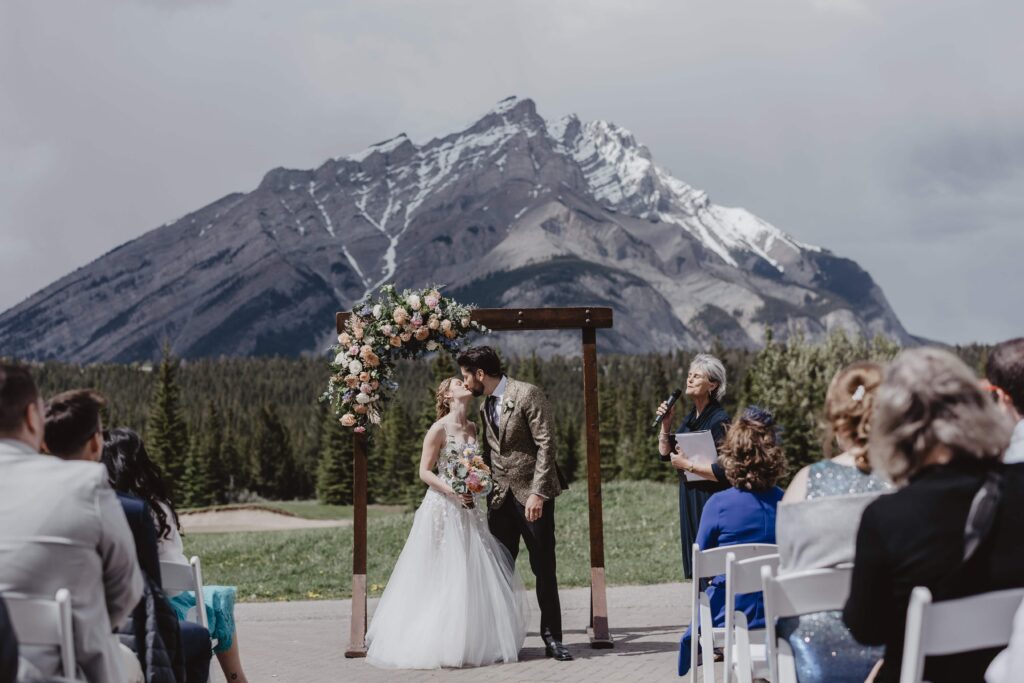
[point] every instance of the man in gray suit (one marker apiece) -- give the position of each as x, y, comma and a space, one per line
519, 446
61, 526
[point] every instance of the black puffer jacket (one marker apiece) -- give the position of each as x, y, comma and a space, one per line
152, 633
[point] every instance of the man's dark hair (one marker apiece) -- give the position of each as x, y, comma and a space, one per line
72, 418
1005, 369
481, 358
17, 392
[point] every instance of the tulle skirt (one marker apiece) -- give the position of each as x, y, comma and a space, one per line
454, 598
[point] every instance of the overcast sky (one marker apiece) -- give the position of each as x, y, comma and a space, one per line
891, 132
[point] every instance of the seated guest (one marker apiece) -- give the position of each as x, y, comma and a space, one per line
61, 526
73, 432
940, 439
745, 513
1005, 373
133, 472
817, 527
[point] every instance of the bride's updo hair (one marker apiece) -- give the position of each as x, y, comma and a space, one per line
848, 404
441, 399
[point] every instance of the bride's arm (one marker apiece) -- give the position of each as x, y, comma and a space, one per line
432, 443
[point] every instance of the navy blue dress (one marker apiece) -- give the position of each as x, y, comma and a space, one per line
732, 517
694, 495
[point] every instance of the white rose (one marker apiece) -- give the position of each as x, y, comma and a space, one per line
362, 398
414, 302
355, 367
341, 358
431, 345
378, 311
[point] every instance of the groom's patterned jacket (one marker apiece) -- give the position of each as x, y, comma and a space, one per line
521, 455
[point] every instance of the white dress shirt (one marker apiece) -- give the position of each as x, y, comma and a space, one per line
1015, 453
497, 395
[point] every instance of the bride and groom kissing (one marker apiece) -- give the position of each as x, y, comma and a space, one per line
454, 598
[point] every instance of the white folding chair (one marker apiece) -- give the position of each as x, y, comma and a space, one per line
45, 622
708, 564
185, 577
793, 595
951, 626
745, 655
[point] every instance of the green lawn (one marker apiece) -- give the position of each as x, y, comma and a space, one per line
641, 546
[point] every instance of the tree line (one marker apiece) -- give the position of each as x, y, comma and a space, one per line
240, 429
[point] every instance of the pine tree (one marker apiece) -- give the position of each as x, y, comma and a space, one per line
334, 474
274, 475
167, 437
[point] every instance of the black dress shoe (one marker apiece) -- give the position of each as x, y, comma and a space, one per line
554, 648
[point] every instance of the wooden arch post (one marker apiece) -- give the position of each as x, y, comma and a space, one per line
588, 321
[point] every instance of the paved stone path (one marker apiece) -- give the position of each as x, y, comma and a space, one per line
304, 642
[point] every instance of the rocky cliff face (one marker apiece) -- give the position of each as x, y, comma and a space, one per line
513, 211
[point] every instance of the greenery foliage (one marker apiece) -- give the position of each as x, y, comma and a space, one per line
257, 427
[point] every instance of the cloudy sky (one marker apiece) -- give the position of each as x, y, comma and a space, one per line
889, 131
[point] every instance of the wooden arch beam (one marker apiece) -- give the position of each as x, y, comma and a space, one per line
588, 321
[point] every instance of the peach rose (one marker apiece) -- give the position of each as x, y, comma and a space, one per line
433, 322
352, 381
422, 334
401, 316
358, 331
364, 376
371, 360
360, 409
348, 420
395, 341
451, 334
446, 325
406, 336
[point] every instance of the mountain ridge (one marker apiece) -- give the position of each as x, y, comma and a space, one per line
561, 212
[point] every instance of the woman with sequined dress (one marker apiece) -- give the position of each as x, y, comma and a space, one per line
454, 598
817, 528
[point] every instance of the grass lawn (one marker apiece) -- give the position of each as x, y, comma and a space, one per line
641, 531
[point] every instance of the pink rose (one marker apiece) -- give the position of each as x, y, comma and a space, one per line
365, 388
417, 320
353, 350
387, 329
431, 301
359, 430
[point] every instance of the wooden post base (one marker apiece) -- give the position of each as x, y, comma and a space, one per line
357, 626
600, 638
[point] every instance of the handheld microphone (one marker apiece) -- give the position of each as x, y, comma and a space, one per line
670, 401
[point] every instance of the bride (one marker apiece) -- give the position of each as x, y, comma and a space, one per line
454, 598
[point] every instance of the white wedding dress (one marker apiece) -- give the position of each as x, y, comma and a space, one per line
454, 598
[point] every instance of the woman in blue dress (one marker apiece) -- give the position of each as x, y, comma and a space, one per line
131, 471
705, 386
752, 460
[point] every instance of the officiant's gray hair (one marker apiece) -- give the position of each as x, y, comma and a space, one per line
930, 398
714, 369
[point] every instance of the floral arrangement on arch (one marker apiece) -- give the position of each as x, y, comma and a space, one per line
377, 334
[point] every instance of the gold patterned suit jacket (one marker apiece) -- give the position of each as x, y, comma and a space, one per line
522, 453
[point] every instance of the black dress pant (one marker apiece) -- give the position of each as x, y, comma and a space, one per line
508, 524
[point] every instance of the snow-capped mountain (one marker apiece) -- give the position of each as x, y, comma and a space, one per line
514, 210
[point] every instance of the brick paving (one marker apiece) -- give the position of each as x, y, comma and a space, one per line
304, 642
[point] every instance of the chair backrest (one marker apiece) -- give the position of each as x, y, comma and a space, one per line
793, 595
741, 576
45, 622
185, 577
708, 563
951, 626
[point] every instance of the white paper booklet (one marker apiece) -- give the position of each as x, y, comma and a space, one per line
699, 448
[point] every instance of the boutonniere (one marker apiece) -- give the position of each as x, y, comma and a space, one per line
509, 406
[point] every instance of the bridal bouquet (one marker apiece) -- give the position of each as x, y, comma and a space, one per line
466, 472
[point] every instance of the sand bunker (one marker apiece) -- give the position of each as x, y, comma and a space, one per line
250, 519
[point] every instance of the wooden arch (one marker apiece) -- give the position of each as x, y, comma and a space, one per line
588, 321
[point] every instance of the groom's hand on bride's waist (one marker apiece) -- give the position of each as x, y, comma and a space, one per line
534, 507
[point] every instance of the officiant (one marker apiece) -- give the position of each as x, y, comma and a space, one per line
705, 387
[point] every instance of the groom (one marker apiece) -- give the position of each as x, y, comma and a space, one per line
519, 449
